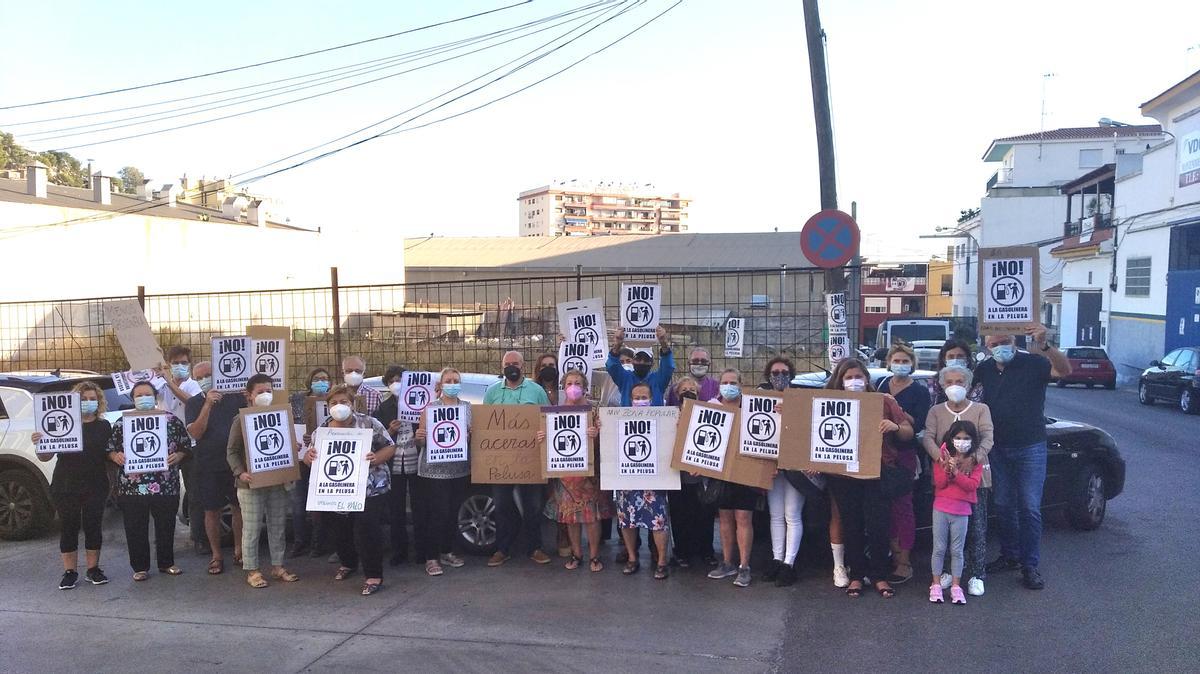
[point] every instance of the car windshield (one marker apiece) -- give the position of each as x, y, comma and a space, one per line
1087, 354
913, 333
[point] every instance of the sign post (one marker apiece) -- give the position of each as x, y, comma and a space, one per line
829, 239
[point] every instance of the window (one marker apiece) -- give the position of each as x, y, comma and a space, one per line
947, 284
1185, 248
896, 305
875, 305
1137, 277
1170, 358
1090, 158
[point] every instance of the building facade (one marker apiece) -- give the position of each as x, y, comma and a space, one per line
582, 208
891, 291
939, 289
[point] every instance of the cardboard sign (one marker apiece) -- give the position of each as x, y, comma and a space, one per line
1009, 296
736, 467
270, 445
144, 441
641, 309
706, 437
504, 446
415, 395
338, 482
445, 434
734, 336
57, 417
835, 313
582, 322
272, 356
635, 448
123, 381
316, 411
567, 449
759, 425
831, 431
576, 356
231, 362
133, 334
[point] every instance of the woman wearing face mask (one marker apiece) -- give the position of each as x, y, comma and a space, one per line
785, 503
146, 495
404, 463
577, 502
643, 509
914, 400
546, 371
955, 382
954, 352
861, 505
80, 488
258, 503
360, 534
737, 505
305, 525
438, 487
691, 520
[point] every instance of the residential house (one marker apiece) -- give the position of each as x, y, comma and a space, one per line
939, 287
891, 290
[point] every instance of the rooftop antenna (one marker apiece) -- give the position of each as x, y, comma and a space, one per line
1042, 128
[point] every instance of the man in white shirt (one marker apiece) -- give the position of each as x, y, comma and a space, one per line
179, 383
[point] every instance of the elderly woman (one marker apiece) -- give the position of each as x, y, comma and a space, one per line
439, 485
307, 536
954, 352
955, 381
914, 399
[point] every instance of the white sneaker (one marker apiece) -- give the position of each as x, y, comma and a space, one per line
946, 580
975, 587
841, 576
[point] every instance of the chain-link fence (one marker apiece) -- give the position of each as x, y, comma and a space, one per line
466, 324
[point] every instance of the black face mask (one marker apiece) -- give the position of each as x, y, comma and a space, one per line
641, 369
690, 395
512, 372
548, 374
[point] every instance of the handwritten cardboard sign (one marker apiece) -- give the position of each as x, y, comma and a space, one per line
338, 482
706, 429
1009, 296
58, 418
635, 448
133, 334
144, 436
267, 433
123, 381
567, 449
504, 446
830, 431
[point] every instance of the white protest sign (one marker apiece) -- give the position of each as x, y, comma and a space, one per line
734, 334
445, 434
761, 427
839, 348
338, 482
57, 417
270, 358
269, 441
640, 311
635, 448
144, 442
637, 445
1008, 288
576, 356
834, 436
835, 312
567, 446
582, 321
416, 392
231, 362
123, 381
707, 438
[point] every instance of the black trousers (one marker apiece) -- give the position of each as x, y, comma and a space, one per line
397, 511
510, 522
81, 508
191, 490
137, 511
866, 517
435, 522
691, 523
359, 536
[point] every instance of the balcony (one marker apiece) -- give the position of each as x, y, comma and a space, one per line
1001, 178
1091, 223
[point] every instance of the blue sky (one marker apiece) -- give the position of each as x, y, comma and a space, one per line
712, 100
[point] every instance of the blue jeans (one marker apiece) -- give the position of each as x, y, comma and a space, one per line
1018, 475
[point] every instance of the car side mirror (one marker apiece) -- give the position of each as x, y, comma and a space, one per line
1155, 363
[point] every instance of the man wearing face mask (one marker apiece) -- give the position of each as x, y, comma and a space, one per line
269, 502
209, 417
403, 463
354, 368
658, 379
1014, 389
515, 389
699, 364
178, 376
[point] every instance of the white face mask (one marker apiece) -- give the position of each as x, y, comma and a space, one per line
263, 399
962, 445
353, 378
340, 412
956, 394
854, 384
396, 388
628, 367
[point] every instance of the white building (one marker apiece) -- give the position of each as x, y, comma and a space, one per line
577, 207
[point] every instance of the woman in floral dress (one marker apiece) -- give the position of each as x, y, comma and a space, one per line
644, 509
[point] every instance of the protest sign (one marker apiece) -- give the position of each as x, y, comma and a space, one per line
707, 437
839, 349
123, 381
338, 482
57, 417
316, 411
270, 349
576, 356
832, 431
1009, 296
734, 335
231, 362
835, 313
267, 433
567, 449
416, 392
635, 448
504, 446
641, 309
445, 434
760, 426
582, 321
144, 441
133, 334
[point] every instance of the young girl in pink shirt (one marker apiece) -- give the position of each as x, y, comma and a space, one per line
955, 482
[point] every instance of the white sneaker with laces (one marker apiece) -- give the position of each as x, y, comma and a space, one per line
946, 580
841, 576
975, 587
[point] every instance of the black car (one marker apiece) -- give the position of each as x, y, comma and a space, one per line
1174, 378
1084, 469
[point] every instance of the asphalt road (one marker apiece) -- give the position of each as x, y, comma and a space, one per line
1121, 598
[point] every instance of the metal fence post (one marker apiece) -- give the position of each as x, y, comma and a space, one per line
142, 297
337, 315
578, 282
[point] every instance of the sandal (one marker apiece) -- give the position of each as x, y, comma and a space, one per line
854, 592
596, 565
660, 572
216, 567
433, 568
369, 589
171, 570
631, 568
885, 592
343, 573
284, 575
237, 557
141, 575
897, 578
255, 580
572, 563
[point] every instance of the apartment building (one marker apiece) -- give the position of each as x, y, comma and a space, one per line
583, 208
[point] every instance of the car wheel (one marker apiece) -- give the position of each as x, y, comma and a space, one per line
1060, 383
1187, 401
23, 507
1144, 396
1087, 503
1111, 384
477, 523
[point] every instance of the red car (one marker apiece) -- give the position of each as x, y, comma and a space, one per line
1089, 366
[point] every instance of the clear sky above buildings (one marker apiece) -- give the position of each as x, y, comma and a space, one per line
712, 100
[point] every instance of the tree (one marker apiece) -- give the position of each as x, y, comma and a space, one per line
131, 179
967, 214
12, 155
63, 168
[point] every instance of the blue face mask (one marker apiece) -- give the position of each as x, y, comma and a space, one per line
901, 369
1004, 353
180, 370
451, 390
144, 403
960, 362
731, 391
320, 387
89, 406
205, 384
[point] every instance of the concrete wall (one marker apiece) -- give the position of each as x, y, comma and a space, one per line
1133, 343
1060, 162
534, 218
1075, 280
